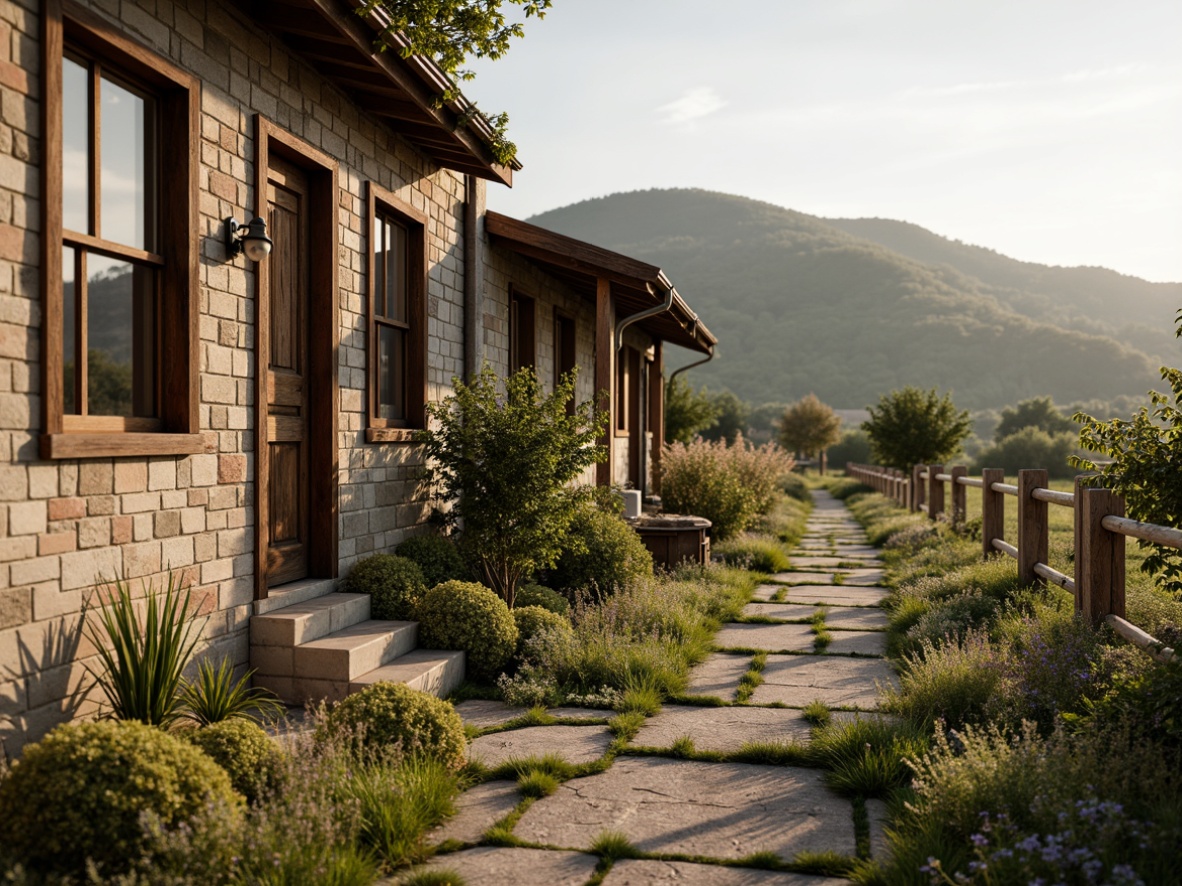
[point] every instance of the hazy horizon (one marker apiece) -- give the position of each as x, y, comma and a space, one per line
1049, 133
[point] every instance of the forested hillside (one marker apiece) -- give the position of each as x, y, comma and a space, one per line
800, 306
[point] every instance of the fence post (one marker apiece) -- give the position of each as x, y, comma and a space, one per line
935, 492
1101, 562
917, 488
1078, 542
993, 510
959, 502
906, 486
897, 487
1032, 526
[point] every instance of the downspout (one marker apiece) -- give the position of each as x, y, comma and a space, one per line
706, 359
473, 272
618, 341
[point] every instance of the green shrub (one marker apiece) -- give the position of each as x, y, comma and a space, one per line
1032, 448
843, 488
243, 749
950, 620
760, 553
537, 595
215, 695
793, 486
439, 559
601, 555
468, 616
395, 586
867, 756
532, 621
960, 682
854, 446
393, 714
80, 792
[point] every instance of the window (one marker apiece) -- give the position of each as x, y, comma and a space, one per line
397, 318
564, 351
522, 337
120, 276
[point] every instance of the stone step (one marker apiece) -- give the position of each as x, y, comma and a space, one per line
344, 655
428, 670
308, 620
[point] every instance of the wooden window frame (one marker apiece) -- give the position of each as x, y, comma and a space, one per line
624, 385
388, 430
523, 330
566, 345
176, 430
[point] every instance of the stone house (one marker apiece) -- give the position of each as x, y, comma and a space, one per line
168, 402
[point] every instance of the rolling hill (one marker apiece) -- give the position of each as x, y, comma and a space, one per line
800, 304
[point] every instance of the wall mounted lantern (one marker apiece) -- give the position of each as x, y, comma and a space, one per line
250, 238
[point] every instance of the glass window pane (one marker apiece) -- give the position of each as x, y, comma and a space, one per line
379, 267
128, 187
121, 330
75, 147
69, 333
396, 274
391, 372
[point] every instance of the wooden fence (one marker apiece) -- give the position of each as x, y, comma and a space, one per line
1101, 528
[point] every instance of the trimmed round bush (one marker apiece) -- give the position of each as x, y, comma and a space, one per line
243, 749
538, 595
394, 584
602, 555
534, 620
437, 557
79, 793
468, 616
394, 714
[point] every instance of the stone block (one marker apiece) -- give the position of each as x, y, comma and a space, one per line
27, 518
96, 478
131, 476
162, 475
231, 468
16, 607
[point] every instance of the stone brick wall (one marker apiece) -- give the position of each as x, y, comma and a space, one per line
65, 524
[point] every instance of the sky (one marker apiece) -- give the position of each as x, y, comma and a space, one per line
1049, 131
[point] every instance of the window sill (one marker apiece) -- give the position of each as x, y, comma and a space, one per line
115, 445
391, 435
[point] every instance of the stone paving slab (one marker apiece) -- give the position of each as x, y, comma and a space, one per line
798, 680
570, 713
719, 676
482, 713
478, 809
803, 578
856, 643
773, 638
839, 595
575, 744
822, 562
852, 617
638, 872
863, 577
876, 811
721, 729
713, 810
489, 866
784, 611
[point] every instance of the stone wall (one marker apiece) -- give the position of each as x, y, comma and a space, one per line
65, 524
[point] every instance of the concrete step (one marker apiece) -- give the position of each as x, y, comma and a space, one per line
428, 670
308, 620
346, 654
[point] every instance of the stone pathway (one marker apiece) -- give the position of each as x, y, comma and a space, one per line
680, 791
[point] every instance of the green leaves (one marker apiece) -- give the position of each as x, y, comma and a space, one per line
809, 426
912, 426
505, 456
216, 696
1145, 467
142, 663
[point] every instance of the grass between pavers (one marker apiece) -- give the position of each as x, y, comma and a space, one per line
753, 677
751, 650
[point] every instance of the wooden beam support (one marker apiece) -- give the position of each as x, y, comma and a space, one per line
605, 365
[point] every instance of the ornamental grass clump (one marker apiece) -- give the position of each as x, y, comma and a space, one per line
728, 485
143, 658
468, 616
395, 586
79, 795
760, 553
214, 695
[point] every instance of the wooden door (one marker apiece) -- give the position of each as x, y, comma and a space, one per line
288, 375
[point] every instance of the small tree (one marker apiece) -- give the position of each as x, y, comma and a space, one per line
1038, 412
911, 427
687, 412
809, 427
1146, 467
505, 460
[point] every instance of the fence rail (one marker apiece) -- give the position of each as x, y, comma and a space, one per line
1101, 528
